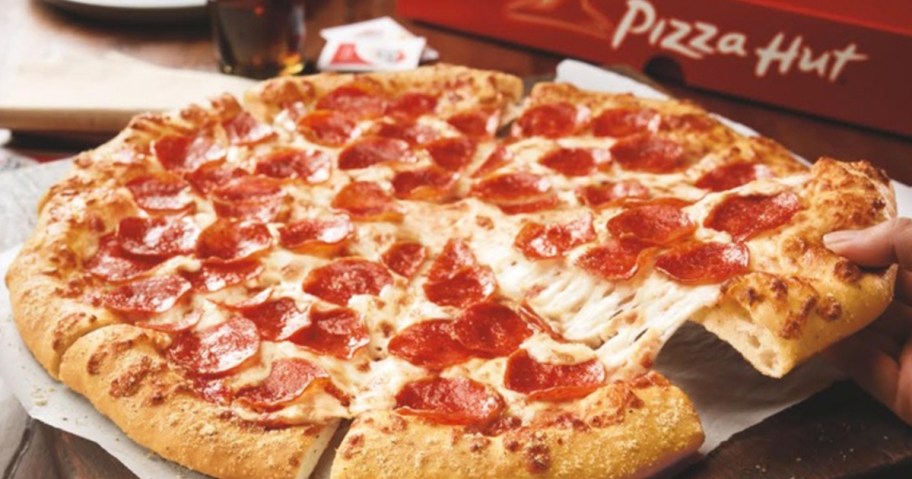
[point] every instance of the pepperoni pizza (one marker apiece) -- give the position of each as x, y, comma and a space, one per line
477, 282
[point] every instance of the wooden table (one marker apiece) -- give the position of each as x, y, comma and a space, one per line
838, 433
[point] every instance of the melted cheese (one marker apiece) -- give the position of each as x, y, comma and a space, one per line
623, 324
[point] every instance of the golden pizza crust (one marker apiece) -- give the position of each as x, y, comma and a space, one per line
121, 371
45, 280
637, 438
460, 89
801, 298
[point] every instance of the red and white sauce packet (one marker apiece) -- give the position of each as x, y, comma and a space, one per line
380, 44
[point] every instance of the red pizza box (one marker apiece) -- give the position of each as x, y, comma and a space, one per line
848, 60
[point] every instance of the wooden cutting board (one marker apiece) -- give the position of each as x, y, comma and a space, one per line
75, 93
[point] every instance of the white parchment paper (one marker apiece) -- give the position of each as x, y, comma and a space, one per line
730, 395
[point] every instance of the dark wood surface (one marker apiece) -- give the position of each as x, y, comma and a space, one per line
838, 433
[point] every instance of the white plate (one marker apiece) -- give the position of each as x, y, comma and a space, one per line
137, 11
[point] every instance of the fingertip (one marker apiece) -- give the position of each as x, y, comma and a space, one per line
835, 239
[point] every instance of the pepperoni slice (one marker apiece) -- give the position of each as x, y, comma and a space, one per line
175, 320
112, 263
455, 256
404, 257
157, 237
649, 154
427, 184
552, 382
210, 176
231, 239
430, 344
477, 124
453, 154
412, 105
688, 121
552, 120
147, 296
456, 278
733, 175
338, 281
704, 263
501, 156
187, 153
620, 122
276, 319
507, 187
456, 401
328, 128
490, 330
575, 161
244, 129
656, 223
744, 217
353, 100
375, 150
604, 194
408, 131
538, 323
251, 197
215, 275
217, 349
616, 260
288, 379
163, 193
248, 188
367, 201
518, 192
316, 235
338, 332
312, 166
538, 241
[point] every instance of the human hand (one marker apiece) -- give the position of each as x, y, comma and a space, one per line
879, 358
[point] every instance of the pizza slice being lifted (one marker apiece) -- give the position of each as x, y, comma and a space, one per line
480, 283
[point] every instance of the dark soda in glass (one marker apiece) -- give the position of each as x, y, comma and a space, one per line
259, 38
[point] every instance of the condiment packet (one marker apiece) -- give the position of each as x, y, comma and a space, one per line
380, 44
362, 56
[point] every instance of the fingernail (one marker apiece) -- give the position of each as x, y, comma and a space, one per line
838, 237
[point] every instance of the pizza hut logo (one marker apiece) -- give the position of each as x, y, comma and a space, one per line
695, 39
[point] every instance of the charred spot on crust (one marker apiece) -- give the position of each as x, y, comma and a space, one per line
396, 424
478, 443
351, 446
64, 327
158, 395
622, 399
779, 289
607, 419
829, 308
312, 430
752, 296
538, 458
128, 383
793, 324
569, 421
512, 445
847, 271
93, 365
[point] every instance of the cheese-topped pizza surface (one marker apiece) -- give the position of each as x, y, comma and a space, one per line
479, 282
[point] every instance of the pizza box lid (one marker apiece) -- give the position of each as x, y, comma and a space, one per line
890, 15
